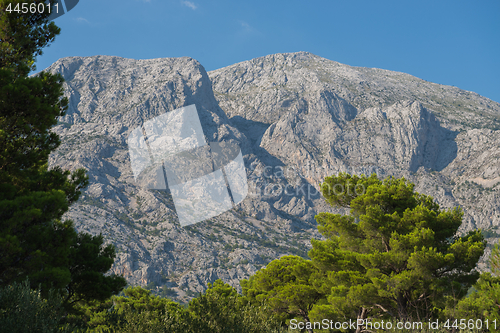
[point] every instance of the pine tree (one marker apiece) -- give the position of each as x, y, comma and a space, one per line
395, 255
483, 301
35, 242
286, 285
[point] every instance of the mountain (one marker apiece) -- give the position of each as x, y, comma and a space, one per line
297, 118
363, 120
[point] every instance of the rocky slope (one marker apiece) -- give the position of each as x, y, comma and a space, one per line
297, 118
363, 120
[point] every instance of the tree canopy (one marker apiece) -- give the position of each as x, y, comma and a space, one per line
218, 310
396, 254
23, 36
483, 300
35, 242
286, 285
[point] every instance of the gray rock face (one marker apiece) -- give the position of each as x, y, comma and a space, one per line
333, 117
297, 118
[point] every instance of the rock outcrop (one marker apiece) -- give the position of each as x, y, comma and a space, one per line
297, 118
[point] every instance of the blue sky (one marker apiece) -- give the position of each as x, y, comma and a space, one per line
449, 42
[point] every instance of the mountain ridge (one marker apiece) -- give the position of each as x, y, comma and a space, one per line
348, 75
297, 118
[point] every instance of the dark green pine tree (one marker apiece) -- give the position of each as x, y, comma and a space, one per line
395, 255
286, 285
34, 241
482, 304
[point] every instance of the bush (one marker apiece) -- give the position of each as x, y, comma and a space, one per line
219, 310
24, 310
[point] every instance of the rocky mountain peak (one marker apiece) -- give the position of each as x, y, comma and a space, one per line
297, 118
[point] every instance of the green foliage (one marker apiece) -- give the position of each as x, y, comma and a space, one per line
90, 260
24, 310
141, 311
395, 255
340, 191
22, 36
33, 198
137, 311
286, 285
34, 241
219, 309
141, 300
483, 303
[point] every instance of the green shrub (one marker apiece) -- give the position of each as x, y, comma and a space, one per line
25, 310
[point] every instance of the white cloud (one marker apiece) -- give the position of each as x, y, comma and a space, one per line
246, 26
246, 29
82, 20
189, 4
